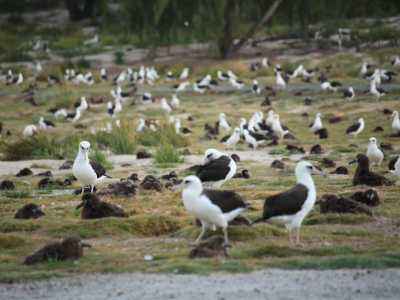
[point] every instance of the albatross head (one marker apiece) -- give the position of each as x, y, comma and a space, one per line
191, 183
84, 149
305, 167
372, 141
211, 154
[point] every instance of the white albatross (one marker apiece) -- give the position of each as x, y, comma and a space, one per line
374, 154
396, 122
211, 207
87, 172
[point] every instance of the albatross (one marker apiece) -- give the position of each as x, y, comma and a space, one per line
217, 168
291, 207
211, 207
87, 172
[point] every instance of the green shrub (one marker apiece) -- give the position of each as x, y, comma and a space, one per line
120, 141
83, 63
165, 134
119, 57
167, 153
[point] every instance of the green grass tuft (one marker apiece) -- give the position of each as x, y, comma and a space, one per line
17, 194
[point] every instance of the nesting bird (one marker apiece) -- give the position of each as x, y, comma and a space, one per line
93, 208
29, 211
212, 247
292, 206
211, 207
70, 248
364, 176
369, 197
123, 189
374, 154
87, 172
151, 183
331, 203
356, 128
243, 174
217, 168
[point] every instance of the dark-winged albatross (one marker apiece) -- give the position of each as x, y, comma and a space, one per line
292, 206
87, 172
394, 168
211, 207
217, 168
356, 128
45, 124
231, 140
349, 94
364, 176
317, 124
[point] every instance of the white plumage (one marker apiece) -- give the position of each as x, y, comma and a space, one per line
184, 74
175, 101
374, 154
252, 140
279, 81
277, 127
317, 124
396, 122
165, 106
375, 91
201, 207
29, 130
223, 125
233, 139
141, 125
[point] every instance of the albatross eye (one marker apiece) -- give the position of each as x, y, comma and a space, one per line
310, 167
187, 181
209, 155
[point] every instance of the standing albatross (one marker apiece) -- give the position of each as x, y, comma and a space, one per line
87, 172
211, 207
217, 168
291, 207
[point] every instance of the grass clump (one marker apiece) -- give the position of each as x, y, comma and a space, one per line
99, 157
40, 166
278, 152
120, 141
167, 153
165, 134
17, 194
119, 57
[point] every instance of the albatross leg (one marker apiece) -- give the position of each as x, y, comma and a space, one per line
290, 235
203, 230
226, 243
297, 234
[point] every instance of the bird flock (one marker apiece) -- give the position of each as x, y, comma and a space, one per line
201, 195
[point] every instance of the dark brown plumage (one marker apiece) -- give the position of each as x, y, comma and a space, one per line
340, 170
210, 248
335, 120
329, 163
387, 111
123, 189
29, 211
45, 182
210, 129
266, 102
322, 133
93, 208
235, 157
377, 129
151, 183
192, 168
142, 154
169, 176
134, 177
369, 197
289, 136
66, 165
69, 248
274, 142
317, 149
304, 114
277, 164
207, 137
286, 203
47, 174
308, 101
364, 176
87, 189
386, 146
294, 148
331, 203
243, 174
24, 172
7, 185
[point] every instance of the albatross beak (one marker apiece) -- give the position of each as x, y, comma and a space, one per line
353, 161
315, 171
178, 187
39, 212
80, 205
86, 153
85, 245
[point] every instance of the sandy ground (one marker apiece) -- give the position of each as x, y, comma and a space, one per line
268, 284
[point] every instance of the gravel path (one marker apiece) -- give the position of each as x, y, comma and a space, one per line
268, 284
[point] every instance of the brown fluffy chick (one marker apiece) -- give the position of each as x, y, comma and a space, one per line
29, 211
93, 208
70, 248
331, 203
364, 176
209, 248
